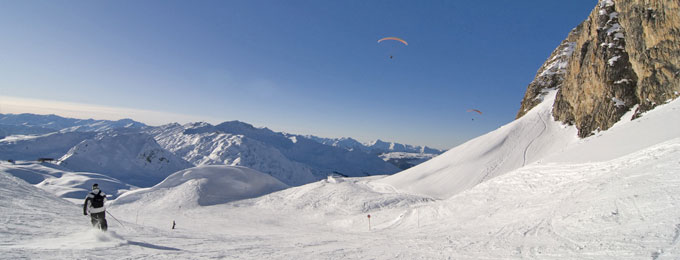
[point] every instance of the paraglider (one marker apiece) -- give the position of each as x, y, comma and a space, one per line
393, 39
474, 110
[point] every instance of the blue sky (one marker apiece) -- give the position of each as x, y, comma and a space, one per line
305, 67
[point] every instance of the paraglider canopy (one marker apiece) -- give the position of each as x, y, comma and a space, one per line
474, 110
393, 39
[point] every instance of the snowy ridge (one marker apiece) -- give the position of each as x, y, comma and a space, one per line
295, 160
8, 130
326, 159
53, 145
202, 144
22, 217
203, 186
52, 123
62, 182
406, 160
375, 147
134, 157
512, 146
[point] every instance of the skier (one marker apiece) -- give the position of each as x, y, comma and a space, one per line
94, 204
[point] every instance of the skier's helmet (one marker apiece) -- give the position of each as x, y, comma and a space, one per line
95, 186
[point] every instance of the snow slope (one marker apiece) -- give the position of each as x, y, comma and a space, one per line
510, 147
626, 136
62, 182
203, 186
617, 209
125, 155
37, 225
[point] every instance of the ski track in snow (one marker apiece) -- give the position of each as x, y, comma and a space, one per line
526, 149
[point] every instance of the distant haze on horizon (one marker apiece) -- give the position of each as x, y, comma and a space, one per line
302, 67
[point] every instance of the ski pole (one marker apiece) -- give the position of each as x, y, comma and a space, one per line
116, 219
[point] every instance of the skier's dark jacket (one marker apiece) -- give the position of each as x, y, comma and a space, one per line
94, 202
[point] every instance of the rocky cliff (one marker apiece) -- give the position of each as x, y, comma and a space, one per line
625, 55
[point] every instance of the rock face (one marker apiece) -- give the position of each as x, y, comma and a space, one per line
626, 54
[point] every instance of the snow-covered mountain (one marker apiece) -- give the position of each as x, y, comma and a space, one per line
376, 147
510, 147
293, 159
31, 147
403, 156
379, 146
400, 155
25, 124
534, 137
203, 144
8, 130
204, 186
63, 182
406, 160
127, 155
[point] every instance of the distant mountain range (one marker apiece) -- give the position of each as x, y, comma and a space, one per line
375, 147
130, 150
32, 124
293, 159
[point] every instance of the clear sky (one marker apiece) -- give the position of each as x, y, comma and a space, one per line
303, 67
